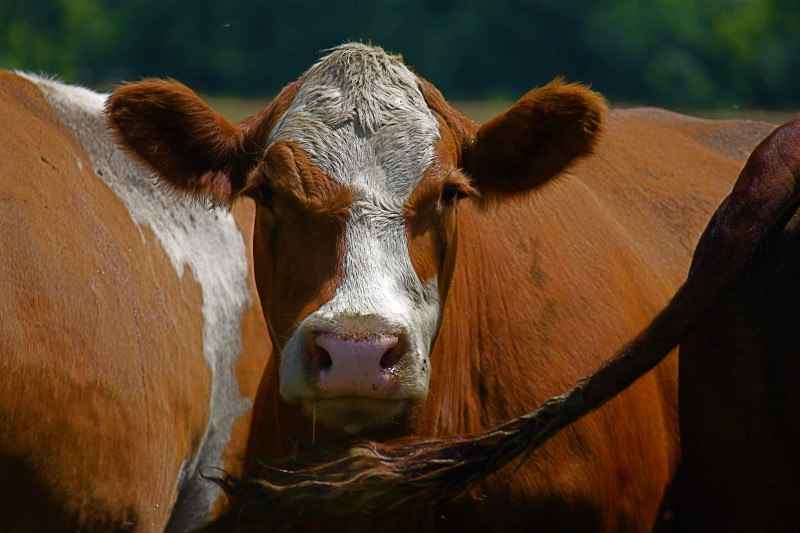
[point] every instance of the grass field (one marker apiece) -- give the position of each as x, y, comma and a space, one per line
480, 111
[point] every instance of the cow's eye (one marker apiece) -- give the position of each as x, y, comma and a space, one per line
449, 194
266, 193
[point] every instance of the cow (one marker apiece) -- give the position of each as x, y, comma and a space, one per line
735, 318
739, 369
131, 334
422, 275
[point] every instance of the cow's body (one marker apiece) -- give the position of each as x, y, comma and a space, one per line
740, 368
124, 330
538, 281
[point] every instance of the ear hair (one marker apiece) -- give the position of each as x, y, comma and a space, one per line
539, 137
192, 148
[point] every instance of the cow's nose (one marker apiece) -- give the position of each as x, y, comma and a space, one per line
357, 367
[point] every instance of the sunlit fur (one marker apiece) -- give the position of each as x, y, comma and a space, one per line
201, 244
560, 260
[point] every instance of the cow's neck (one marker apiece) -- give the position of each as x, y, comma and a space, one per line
464, 380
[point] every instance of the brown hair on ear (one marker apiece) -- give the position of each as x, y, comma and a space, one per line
537, 138
192, 148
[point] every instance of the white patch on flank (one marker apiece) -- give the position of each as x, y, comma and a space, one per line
210, 243
361, 116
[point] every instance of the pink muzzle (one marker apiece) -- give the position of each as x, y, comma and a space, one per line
363, 367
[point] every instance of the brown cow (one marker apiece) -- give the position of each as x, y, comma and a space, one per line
130, 329
422, 275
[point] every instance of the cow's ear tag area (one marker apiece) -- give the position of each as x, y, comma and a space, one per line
191, 148
537, 138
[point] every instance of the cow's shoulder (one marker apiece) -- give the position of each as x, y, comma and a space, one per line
657, 173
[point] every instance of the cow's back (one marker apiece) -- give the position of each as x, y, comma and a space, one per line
549, 285
119, 333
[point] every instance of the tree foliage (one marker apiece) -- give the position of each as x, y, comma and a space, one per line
679, 52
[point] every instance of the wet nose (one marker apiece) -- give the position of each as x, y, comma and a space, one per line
358, 367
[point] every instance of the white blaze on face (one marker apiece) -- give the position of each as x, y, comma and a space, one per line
362, 118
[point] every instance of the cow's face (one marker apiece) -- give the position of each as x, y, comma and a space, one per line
356, 192
357, 170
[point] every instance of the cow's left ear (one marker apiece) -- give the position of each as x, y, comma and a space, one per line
537, 138
192, 148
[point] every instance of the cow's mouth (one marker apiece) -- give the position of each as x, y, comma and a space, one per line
354, 413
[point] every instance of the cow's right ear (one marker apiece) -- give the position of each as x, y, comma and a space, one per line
537, 138
192, 148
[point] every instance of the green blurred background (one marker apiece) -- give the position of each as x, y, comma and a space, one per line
715, 58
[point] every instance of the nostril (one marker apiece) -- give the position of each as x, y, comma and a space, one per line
384, 350
391, 358
320, 358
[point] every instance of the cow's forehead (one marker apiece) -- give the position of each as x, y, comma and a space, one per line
361, 116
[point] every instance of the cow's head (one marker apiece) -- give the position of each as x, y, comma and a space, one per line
357, 170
